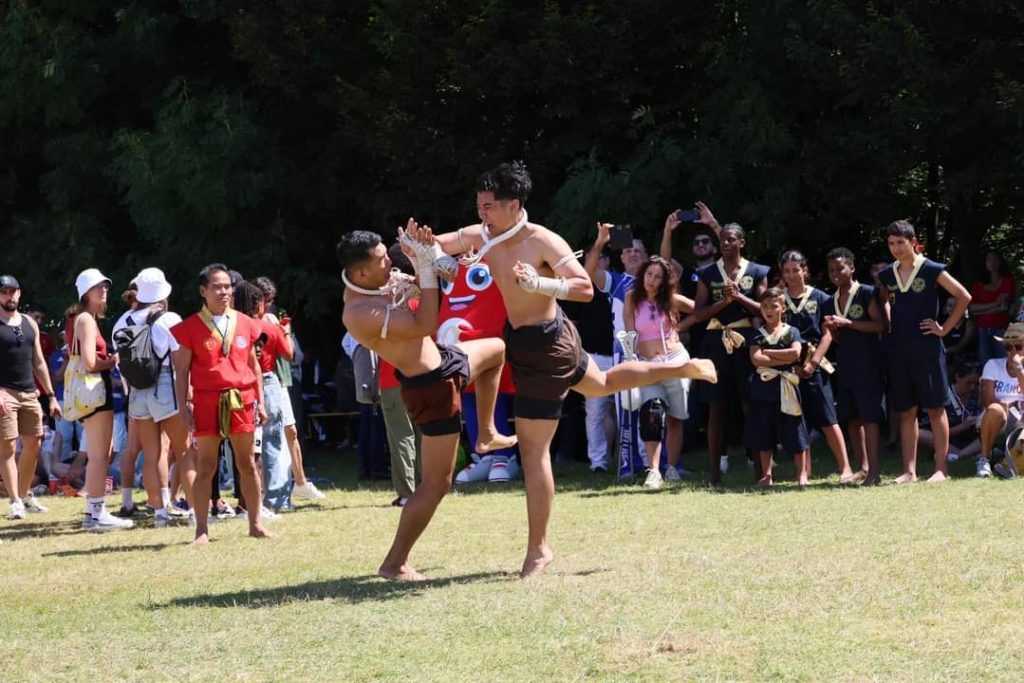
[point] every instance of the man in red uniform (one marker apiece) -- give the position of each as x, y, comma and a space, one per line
218, 358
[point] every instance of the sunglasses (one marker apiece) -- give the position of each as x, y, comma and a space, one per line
703, 240
19, 336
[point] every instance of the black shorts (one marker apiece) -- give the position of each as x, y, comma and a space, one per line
733, 369
768, 426
859, 394
817, 401
547, 359
920, 382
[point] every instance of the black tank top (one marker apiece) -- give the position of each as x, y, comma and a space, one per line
17, 344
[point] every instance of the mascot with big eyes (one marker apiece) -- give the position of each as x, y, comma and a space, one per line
472, 308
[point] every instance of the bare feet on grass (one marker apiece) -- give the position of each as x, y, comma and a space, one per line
201, 539
937, 477
260, 531
403, 572
872, 480
494, 442
536, 562
905, 479
700, 369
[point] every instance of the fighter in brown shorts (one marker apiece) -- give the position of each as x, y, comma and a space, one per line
533, 266
377, 313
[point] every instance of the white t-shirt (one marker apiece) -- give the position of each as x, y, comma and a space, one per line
163, 341
1007, 387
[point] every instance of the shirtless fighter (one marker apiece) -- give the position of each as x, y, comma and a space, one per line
377, 313
533, 267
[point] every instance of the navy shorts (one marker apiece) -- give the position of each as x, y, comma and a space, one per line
920, 382
768, 426
818, 402
860, 393
733, 369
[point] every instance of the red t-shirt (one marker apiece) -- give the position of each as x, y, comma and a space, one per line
980, 294
211, 370
274, 344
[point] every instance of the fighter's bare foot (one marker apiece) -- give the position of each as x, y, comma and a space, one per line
201, 539
700, 369
859, 477
261, 532
938, 476
403, 572
536, 562
495, 442
872, 480
905, 479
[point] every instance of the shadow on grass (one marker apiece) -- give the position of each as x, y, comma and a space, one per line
104, 549
36, 529
353, 589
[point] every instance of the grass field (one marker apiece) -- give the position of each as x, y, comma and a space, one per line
913, 583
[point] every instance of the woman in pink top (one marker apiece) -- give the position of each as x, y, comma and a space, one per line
991, 302
652, 310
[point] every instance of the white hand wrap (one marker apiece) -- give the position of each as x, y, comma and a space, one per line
427, 274
546, 286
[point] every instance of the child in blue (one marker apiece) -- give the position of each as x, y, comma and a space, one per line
854, 317
727, 295
805, 310
775, 414
917, 357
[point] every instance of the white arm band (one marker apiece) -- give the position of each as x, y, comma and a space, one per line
546, 286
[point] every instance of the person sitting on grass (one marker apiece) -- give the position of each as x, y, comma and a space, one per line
775, 413
962, 412
1001, 394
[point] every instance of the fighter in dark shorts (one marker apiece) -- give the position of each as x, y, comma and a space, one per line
534, 267
431, 376
917, 357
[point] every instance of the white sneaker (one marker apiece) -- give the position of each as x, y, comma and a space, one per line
984, 469
268, 515
17, 510
672, 474
476, 471
308, 491
723, 464
106, 522
161, 521
653, 480
33, 505
499, 472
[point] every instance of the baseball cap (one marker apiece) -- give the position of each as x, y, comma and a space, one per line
9, 282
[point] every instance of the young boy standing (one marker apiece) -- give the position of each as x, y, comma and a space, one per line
775, 414
855, 319
913, 345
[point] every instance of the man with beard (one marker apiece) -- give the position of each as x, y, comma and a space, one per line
21, 365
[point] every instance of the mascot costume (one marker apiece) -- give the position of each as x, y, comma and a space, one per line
472, 308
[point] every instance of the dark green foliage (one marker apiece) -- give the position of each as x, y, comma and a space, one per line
178, 133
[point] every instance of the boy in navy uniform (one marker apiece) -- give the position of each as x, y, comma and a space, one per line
805, 311
727, 294
854, 317
775, 413
917, 357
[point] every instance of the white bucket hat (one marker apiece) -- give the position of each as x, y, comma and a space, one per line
89, 278
152, 286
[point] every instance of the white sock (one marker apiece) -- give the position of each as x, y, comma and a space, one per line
126, 497
165, 496
94, 507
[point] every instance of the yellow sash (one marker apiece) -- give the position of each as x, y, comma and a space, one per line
787, 387
731, 339
225, 339
230, 401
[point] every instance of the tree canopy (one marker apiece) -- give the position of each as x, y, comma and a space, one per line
180, 132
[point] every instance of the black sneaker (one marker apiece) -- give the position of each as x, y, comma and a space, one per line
128, 513
399, 502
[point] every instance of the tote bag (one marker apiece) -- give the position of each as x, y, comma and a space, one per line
84, 391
